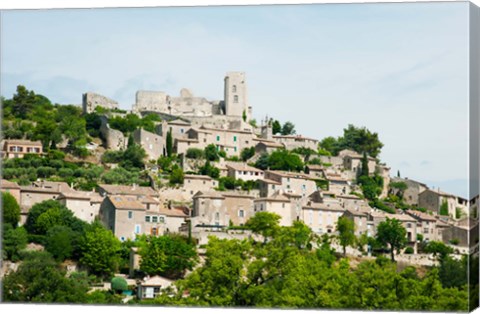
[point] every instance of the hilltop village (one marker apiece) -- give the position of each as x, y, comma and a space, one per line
195, 167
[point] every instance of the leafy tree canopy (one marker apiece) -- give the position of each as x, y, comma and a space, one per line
10, 209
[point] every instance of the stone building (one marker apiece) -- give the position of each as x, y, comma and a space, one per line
209, 209
352, 161
426, 225
432, 200
337, 184
266, 147
243, 171
113, 139
12, 188
92, 100
289, 182
124, 215
84, 205
296, 141
153, 144
41, 191
414, 188
321, 217
193, 183
18, 148
239, 207
279, 204
134, 189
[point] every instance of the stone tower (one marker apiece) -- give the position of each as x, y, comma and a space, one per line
236, 101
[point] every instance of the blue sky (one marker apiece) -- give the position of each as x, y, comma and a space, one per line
399, 69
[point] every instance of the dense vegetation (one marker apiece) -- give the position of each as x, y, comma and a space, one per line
286, 271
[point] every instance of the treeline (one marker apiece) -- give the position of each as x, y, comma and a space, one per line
285, 271
41, 277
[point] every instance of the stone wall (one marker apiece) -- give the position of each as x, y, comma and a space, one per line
113, 139
91, 100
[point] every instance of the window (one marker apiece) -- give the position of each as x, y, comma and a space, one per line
283, 205
234, 88
122, 239
235, 149
181, 130
234, 138
147, 218
235, 99
130, 214
217, 216
425, 230
409, 225
241, 213
138, 229
162, 219
218, 138
154, 219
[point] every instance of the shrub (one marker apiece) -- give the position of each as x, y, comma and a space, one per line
454, 241
119, 284
194, 153
177, 176
444, 208
409, 250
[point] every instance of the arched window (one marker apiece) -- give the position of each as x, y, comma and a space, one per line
235, 98
234, 88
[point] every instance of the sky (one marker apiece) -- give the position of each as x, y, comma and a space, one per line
399, 69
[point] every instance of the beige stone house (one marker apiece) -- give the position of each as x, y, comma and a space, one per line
315, 170
432, 200
40, 191
84, 205
322, 217
360, 220
165, 219
296, 141
288, 182
426, 225
411, 194
239, 207
332, 161
244, 171
465, 231
134, 189
352, 161
18, 148
209, 209
153, 144
193, 183
230, 141
124, 215
384, 172
337, 184
266, 147
151, 287
278, 204
12, 188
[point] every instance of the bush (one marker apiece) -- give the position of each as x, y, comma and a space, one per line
119, 284
409, 250
454, 241
194, 153
177, 176
211, 153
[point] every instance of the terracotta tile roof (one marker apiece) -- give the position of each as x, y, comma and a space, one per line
178, 122
401, 217
268, 181
273, 198
238, 166
128, 190
420, 215
77, 195
5, 184
270, 144
324, 206
208, 194
47, 187
147, 200
315, 167
23, 142
197, 177
126, 202
287, 174
295, 137
174, 212
237, 195
358, 212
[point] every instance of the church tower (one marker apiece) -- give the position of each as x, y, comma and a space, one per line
236, 101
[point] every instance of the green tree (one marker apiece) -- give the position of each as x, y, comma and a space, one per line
444, 208
360, 140
276, 127
61, 242
247, 153
346, 233
262, 162
39, 280
44, 215
288, 128
392, 232
330, 144
14, 240
364, 170
177, 176
100, 250
284, 160
211, 152
169, 144
209, 170
133, 157
119, 284
23, 102
10, 209
264, 223
438, 248
169, 256
194, 153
